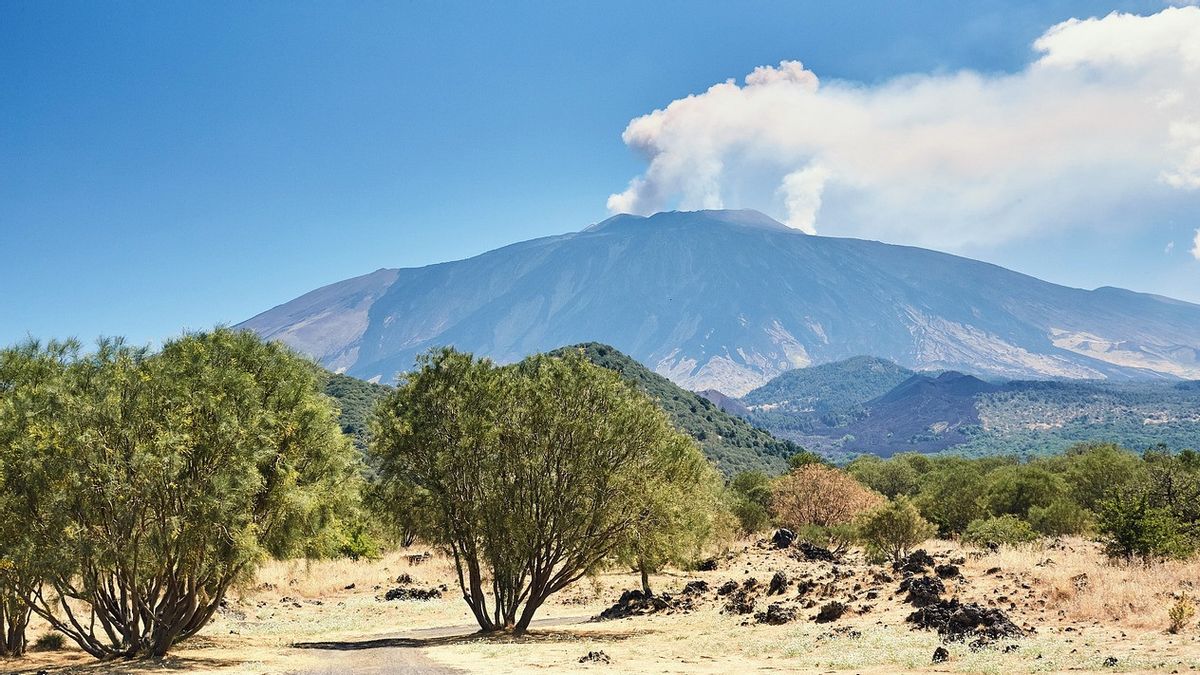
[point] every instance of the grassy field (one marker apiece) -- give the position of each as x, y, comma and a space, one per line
1073, 623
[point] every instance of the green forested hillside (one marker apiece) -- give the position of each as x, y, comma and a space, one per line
730, 442
357, 399
839, 410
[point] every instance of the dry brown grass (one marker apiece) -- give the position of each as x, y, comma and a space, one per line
1082, 584
1120, 612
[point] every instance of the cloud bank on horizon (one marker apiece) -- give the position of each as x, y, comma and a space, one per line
1105, 119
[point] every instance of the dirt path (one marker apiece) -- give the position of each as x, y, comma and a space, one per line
400, 654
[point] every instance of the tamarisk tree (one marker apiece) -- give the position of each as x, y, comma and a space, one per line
162, 479
530, 476
29, 374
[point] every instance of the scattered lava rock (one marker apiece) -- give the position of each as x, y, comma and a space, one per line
776, 615
922, 591
957, 621
941, 655
697, 587
740, 601
418, 558
404, 593
831, 611
595, 657
636, 603
779, 583
812, 552
914, 563
709, 565
404, 579
1110, 662
783, 538
727, 588
947, 571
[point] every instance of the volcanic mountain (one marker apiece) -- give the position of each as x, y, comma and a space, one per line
726, 300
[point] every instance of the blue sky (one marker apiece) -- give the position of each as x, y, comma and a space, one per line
169, 165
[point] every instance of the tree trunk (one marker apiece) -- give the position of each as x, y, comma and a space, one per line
531, 607
645, 579
13, 621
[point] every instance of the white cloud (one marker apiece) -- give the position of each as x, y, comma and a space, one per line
1106, 118
1196, 246
1170, 248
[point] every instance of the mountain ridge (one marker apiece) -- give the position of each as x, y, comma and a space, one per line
933, 412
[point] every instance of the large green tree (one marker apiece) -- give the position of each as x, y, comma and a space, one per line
530, 476
162, 479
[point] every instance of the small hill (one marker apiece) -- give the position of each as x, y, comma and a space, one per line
727, 403
831, 386
932, 413
730, 442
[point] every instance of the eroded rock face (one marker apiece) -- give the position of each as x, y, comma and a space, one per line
958, 621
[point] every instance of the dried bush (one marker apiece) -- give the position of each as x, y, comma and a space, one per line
822, 496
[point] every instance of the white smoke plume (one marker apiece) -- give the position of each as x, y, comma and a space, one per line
1106, 116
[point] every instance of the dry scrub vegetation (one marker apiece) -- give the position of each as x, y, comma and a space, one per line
1081, 608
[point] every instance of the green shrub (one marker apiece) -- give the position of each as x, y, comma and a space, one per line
1006, 530
889, 477
1061, 517
1133, 528
1016, 489
948, 494
360, 544
894, 530
1181, 614
749, 498
49, 642
836, 538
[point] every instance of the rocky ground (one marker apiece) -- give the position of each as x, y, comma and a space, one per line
757, 607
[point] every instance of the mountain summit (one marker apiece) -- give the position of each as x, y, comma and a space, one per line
728, 299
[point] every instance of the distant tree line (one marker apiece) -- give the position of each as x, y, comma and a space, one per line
1143, 507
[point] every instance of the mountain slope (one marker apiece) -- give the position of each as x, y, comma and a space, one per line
726, 300
929, 413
